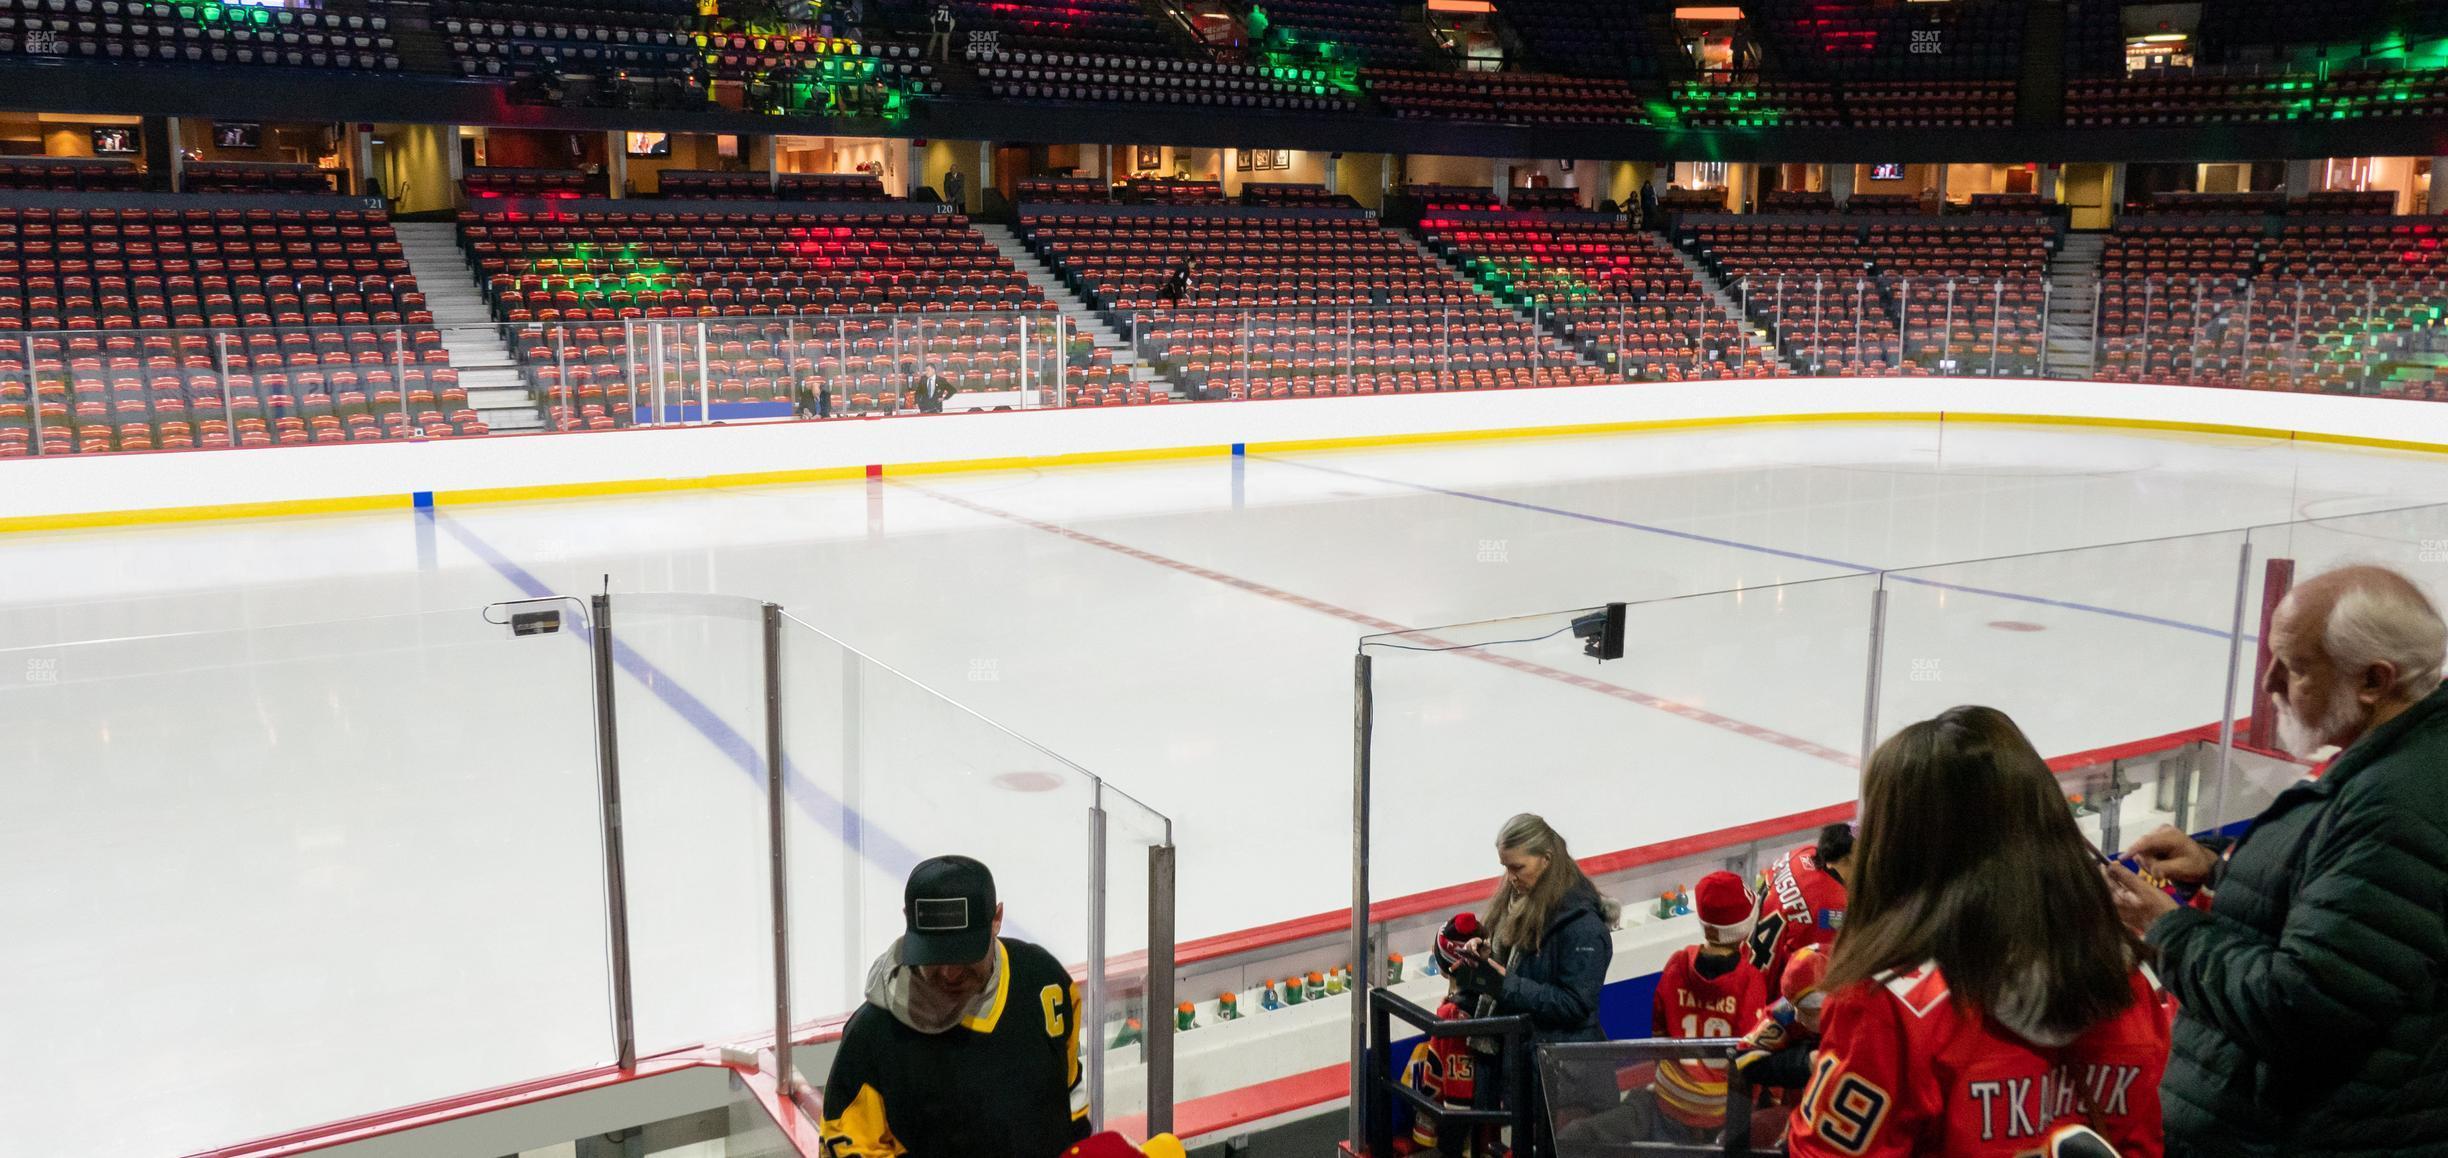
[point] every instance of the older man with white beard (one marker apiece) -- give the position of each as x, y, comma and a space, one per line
2314, 989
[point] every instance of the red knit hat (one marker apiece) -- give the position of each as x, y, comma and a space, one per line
1459, 931
1724, 906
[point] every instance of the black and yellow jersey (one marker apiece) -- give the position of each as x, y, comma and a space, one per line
1005, 1083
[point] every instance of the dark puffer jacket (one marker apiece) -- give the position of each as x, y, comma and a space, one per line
1558, 985
2315, 990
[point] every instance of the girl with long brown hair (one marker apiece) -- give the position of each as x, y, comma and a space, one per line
1985, 997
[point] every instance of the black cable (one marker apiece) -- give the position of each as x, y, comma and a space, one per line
1464, 646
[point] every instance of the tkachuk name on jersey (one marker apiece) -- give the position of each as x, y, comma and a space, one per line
2104, 1089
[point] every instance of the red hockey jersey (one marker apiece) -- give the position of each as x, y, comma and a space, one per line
1689, 1005
1799, 904
1444, 1068
1902, 1070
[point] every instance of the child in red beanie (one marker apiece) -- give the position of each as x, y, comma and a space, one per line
1708, 990
1447, 1068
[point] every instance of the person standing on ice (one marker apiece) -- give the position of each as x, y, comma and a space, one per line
968, 1044
2314, 987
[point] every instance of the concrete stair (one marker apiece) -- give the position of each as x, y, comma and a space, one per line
2073, 312
497, 391
1728, 305
1082, 319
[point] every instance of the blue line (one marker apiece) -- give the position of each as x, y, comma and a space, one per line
873, 843
427, 556
1712, 540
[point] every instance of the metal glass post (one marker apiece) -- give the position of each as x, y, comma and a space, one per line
399, 376
1025, 377
2235, 668
2295, 363
1780, 314
705, 382
2150, 296
2048, 297
1860, 287
2245, 332
1818, 326
777, 846
1245, 393
616, 872
790, 355
654, 354
566, 408
1062, 368
1092, 1018
1878, 647
841, 361
2364, 338
2099, 307
629, 352
1997, 323
1946, 341
229, 414
2199, 295
1363, 977
1161, 963
1903, 320
34, 393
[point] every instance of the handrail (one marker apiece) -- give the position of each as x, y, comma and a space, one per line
1518, 1112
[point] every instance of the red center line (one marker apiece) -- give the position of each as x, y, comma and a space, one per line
1692, 712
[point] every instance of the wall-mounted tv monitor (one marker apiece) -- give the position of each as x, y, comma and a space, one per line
116, 141
237, 134
650, 144
1888, 172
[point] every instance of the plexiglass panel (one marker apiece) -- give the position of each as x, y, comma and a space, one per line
296, 874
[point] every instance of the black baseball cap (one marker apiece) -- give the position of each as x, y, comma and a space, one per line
949, 905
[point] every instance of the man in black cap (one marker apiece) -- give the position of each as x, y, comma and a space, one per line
968, 1045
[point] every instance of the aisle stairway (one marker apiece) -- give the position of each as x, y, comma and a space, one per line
1728, 305
2073, 315
1082, 319
496, 390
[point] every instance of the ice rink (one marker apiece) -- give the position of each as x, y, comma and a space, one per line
1183, 629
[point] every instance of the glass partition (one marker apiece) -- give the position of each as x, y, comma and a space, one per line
2413, 541
307, 872
691, 732
1759, 693
71, 392
819, 365
1139, 937
2084, 648
882, 772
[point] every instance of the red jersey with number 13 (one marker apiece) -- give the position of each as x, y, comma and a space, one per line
1903, 1070
1799, 904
